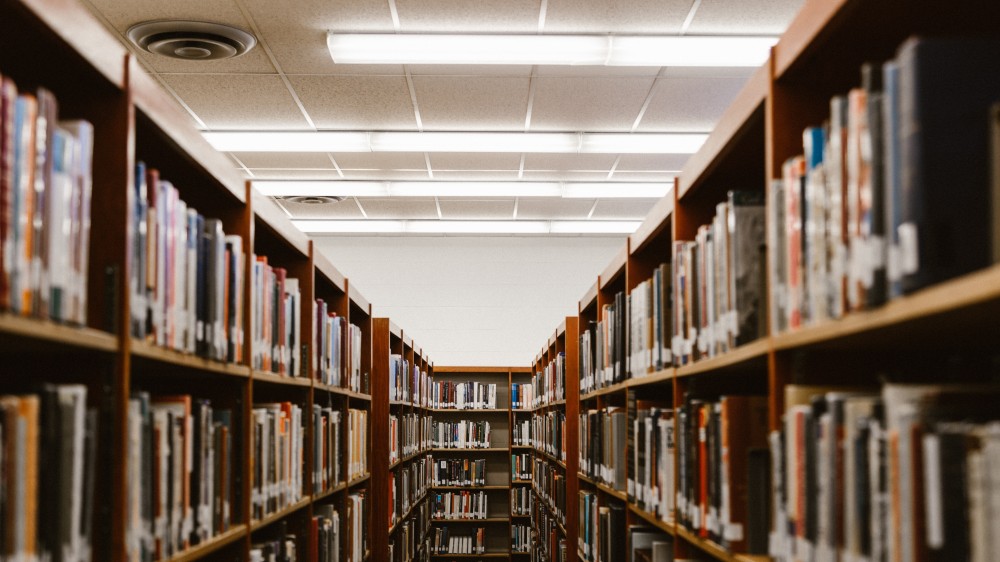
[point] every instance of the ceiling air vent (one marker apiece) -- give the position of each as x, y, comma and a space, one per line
191, 40
312, 200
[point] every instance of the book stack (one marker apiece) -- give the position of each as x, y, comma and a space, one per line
278, 439
180, 461
858, 218
449, 395
522, 433
442, 541
603, 436
587, 539
521, 500
548, 431
520, 466
651, 324
721, 444
408, 435
49, 444
459, 472
719, 281
324, 535
409, 536
651, 469
549, 385
399, 379
276, 320
547, 532
603, 355
460, 505
550, 485
357, 445
337, 349
326, 448
462, 434
522, 396
650, 545
357, 527
520, 538
45, 187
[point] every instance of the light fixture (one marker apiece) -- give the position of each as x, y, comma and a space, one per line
349, 188
464, 227
591, 50
505, 142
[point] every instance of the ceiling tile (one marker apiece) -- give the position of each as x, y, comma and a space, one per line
475, 161
644, 176
408, 208
623, 209
458, 103
532, 208
587, 71
530, 175
236, 101
491, 16
469, 70
690, 104
381, 160
296, 32
616, 16
285, 160
346, 209
743, 17
560, 162
588, 104
386, 175
478, 209
267, 174
356, 102
651, 162
473, 175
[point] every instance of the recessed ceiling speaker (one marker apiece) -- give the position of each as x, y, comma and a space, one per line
191, 40
313, 199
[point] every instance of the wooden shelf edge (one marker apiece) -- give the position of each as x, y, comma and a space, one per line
328, 270
656, 221
272, 215
46, 330
359, 480
173, 357
356, 298
272, 378
744, 354
614, 269
491, 487
588, 298
211, 545
611, 491
333, 389
653, 520
280, 514
617, 387
489, 450
715, 550
487, 520
800, 37
655, 377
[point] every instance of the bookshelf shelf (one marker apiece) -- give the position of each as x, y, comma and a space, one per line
652, 519
611, 389
487, 520
467, 450
751, 355
358, 481
341, 391
469, 411
329, 492
552, 458
19, 332
285, 380
715, 550
658, 377
486, 555
211, 545
469, 487
611, 491
175, 358
280, 514
520, 482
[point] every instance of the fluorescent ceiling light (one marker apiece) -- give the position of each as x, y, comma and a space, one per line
464, 227
402, 141
615, 190
591, 50
349, 188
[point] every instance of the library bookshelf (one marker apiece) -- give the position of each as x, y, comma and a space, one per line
905, 340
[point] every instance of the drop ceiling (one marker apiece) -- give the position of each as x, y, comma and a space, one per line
289, 82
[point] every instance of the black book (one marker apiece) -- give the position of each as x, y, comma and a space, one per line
946, 88
630, 446
873, 221
758, 501
746, 268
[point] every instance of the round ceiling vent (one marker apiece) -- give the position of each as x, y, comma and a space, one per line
191, 40
313, 200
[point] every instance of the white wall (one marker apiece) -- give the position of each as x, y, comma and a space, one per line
476, 301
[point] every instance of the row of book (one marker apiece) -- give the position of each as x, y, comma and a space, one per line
408, 485
48, 442
521, 465
327, 449
520, 538
324, 534
603, 355
186, 276
45, 186
278, 440
521, 500
281, 549
337, 353
443, 541
600, 537
548, 535
651, 478
471, 395
357, 443
602, 440
549, 384
407, 542
549, 483
521, 432
459, 472
462, 434
649, 545
408, 383
408, 434
548, 431
357, 547
902, 473
719, 281
723, 472
460, 505
859, 218
276, 326
650, 323
180, 461
522, 395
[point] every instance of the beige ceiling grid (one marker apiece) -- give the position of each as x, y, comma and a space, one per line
290, 83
